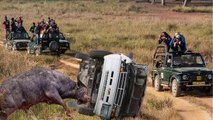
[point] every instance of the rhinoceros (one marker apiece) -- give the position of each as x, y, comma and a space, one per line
38, 85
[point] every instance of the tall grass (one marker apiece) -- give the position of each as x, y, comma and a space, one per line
193, 9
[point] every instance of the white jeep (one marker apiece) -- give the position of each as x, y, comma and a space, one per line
115, 83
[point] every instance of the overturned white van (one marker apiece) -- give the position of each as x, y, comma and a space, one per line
115, 83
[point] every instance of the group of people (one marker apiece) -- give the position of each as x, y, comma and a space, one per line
12, 26
42, 27
177, 43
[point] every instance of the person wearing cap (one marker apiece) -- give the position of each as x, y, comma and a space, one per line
165, 38
178, 42
6, 25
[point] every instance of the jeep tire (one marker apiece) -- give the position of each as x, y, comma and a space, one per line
175, 88
54, 46
157, 83
28, 50
82, 56
99, 54
86, 111
38, 51
14, 48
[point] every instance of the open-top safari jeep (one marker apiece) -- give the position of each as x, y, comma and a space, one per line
17, 40
180, 71
53, 42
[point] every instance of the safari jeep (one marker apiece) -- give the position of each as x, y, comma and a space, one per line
180, 71
17, 40
56, 44
115, 83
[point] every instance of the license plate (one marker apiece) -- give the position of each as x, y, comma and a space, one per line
199, 78
198, 83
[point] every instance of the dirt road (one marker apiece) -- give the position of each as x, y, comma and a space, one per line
188, 110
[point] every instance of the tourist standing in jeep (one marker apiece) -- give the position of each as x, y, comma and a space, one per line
178, 43
6, 25
165, 38
32, 29
13, 25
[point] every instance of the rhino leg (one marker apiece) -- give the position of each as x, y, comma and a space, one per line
53, 95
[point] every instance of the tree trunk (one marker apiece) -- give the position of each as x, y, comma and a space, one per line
152, 1
185, 2
163, 2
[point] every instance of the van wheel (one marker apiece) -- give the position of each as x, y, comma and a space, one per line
86, 111
157, 83
99, 54
82, 56
175, 88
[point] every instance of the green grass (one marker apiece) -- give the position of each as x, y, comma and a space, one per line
193, 9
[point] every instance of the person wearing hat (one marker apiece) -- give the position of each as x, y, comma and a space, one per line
178, 42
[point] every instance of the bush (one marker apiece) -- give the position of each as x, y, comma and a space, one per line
159, 104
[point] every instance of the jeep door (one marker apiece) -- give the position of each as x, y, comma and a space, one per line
166, 70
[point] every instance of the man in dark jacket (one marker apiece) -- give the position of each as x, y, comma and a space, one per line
178, 42
13, 25
6, 25
165, 38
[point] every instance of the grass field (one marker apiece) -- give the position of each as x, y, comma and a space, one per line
113, 26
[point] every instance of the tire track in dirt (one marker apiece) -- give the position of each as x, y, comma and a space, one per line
185, 107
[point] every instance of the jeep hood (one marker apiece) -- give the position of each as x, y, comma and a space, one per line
22, 40
193, 70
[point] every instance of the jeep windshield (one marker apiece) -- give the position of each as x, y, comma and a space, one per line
188, 60
20, 36
61, 36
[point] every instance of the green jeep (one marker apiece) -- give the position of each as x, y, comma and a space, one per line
179, 71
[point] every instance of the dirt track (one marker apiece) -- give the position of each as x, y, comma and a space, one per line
187, 109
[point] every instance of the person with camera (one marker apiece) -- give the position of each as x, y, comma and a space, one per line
165, 38
178, 43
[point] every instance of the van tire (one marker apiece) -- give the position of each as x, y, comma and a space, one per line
82, 56
99, 54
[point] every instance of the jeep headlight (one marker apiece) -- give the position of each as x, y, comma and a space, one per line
185, 77
209, 76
